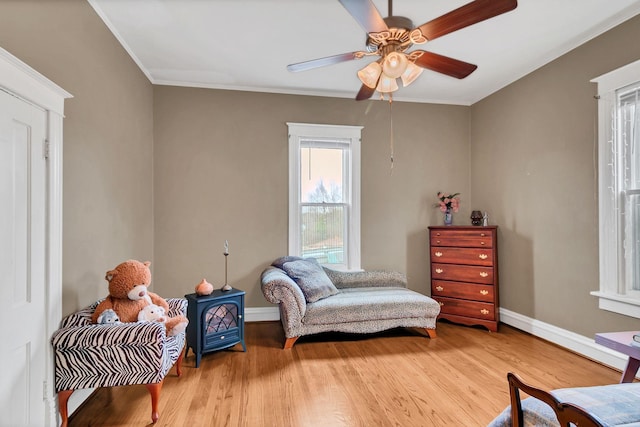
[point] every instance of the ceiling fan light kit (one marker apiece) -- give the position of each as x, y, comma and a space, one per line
387, 85
410, 74
391, 37
394, 64
370, 74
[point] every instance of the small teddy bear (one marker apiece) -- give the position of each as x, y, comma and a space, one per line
109, 317
152, 313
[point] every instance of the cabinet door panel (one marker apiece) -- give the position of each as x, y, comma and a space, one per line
468, 291
462, 273
471, 256
480, 310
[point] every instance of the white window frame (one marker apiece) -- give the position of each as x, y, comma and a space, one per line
613, 294
318, 135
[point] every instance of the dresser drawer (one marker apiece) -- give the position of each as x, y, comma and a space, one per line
469, 291
462, 273
473, 256
479, 310
462, 238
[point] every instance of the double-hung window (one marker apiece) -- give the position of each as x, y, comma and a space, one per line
619, 189
324, 194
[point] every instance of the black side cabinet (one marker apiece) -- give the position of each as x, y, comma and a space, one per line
216, 322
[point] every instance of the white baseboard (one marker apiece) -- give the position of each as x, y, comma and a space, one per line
77, 398
567, 339
261, 314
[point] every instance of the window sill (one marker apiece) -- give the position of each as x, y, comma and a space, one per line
342, 268
618, 304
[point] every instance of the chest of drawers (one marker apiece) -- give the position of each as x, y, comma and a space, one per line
464, 274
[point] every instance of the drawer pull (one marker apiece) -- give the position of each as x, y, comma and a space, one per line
438, 241
483, 256
441, 303
482, 243
484, 292
483, 274
439, 288
484, 311
439, 270
438, 254
482, 234
438, 234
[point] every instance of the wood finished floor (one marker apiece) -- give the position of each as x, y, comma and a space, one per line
395, 378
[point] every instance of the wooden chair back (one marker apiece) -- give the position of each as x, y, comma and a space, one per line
568, 414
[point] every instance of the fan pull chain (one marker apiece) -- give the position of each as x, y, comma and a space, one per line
391, 130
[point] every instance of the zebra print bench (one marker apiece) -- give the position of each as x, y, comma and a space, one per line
89, 355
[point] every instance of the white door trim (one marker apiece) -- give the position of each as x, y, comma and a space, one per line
22, 81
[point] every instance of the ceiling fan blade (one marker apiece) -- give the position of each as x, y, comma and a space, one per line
365, 93
367, 15
322, 62
443, 64
469, 14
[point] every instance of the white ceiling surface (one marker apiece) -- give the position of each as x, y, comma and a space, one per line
247, 44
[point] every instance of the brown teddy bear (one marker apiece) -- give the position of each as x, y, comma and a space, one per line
128, 295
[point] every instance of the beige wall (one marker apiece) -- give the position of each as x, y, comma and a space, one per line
108, 137
534, 165
221, 172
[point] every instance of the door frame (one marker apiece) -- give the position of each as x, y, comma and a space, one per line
22, 81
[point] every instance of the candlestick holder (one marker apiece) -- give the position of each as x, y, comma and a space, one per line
226, 286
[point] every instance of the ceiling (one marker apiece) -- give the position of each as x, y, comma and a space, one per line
247, 44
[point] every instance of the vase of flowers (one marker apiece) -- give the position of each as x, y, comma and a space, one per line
448, 203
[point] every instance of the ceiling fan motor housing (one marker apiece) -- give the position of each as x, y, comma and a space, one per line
397, 36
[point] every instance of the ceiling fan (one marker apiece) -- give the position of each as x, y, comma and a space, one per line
390, 39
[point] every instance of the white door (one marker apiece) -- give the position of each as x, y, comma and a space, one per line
22, 262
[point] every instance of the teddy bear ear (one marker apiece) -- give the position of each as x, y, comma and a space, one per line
147, 263
110, 274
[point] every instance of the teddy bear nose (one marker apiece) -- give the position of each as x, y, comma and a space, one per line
141, 294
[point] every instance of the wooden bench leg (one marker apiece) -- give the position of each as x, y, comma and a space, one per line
154, 390
431, 333
63, 398
290, 342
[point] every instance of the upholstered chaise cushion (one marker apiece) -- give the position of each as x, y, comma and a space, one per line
371, 305
311, 278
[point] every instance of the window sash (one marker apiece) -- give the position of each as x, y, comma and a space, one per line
343, 145
328, 244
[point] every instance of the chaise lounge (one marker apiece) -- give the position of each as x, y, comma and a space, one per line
314, 299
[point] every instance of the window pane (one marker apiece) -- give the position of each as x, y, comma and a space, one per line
323, 233
321, 175
629, 112
632, 241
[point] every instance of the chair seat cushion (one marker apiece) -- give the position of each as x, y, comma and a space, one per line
367, 304
612, 405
